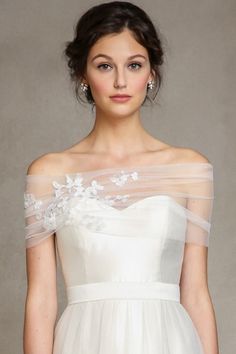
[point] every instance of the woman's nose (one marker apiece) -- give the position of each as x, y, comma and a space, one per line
120, 79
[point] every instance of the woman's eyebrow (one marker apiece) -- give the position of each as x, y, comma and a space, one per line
110, 58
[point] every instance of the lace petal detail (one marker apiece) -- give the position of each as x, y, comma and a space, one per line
74, 188
121, 178
31, 201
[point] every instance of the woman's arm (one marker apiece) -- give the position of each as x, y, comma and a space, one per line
195, 296
41, 299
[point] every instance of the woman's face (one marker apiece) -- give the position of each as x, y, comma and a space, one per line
111, 71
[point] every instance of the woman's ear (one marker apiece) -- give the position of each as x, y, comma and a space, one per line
151, 76
84, 79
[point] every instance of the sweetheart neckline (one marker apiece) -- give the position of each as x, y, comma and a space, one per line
143, 200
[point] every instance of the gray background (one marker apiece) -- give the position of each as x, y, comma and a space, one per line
39, 114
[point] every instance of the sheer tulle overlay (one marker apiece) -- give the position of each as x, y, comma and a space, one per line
120, 236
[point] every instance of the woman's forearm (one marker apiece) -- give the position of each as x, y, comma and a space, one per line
202, 314
39, 322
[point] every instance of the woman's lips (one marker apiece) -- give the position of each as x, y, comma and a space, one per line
120, 98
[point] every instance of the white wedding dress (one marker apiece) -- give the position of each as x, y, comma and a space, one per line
120, 235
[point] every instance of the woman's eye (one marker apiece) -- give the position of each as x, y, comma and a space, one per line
135, 65
103, 65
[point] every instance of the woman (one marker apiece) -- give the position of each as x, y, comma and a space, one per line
127, 214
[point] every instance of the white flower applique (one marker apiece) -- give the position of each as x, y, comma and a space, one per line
47, 214
60, 201
31, 201
82, 217
120, 179
74, 187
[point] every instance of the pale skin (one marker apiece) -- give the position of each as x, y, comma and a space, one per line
117, 139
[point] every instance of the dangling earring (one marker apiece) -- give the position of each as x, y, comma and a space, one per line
84, 87
150, 85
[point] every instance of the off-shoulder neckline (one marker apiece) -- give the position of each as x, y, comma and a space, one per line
126, 168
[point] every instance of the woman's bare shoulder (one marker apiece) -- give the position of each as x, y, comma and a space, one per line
46, 164
188, 155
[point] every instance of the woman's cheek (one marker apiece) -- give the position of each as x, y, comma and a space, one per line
100, 88
140, 85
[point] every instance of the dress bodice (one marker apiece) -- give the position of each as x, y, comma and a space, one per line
143, 242
121, 224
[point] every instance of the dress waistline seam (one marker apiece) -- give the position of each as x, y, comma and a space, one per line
122, 290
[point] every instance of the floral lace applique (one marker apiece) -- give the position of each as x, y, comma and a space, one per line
78, 215
31, 201
122, 177
73, 187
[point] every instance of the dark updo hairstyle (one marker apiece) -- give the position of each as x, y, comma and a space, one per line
107, 18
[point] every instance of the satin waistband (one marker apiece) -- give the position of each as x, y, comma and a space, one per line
123, 290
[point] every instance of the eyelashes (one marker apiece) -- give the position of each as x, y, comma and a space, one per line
135, 66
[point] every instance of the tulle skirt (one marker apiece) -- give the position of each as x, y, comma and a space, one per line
126, 326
